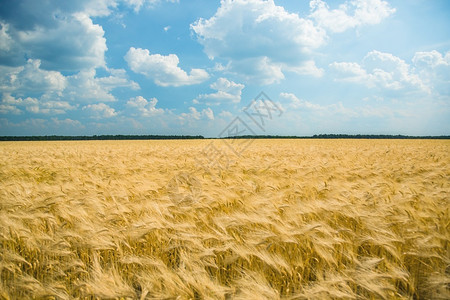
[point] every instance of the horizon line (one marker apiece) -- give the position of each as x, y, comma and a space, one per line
190, 137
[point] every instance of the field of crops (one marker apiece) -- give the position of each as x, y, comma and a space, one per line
216, 219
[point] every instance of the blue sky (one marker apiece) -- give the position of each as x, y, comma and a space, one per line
192, 67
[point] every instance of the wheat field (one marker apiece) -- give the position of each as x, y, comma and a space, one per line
284, 219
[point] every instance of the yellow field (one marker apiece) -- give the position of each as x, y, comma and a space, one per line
291, 219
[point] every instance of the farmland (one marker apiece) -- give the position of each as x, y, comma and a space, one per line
289, 219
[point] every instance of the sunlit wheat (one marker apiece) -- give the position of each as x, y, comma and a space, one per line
289, 219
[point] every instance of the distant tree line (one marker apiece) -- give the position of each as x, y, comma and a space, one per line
375, 136
191, 137
99, 137
338, 136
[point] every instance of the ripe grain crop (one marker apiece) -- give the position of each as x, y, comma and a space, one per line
288, 219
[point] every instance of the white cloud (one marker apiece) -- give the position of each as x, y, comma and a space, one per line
138, 4
431, 59
10, 100
164, 70
206, 113
86, 87
27, 14
306, 68
354, 71
296, 103
144, 107
10, 104
5, 39
31, 78
351, 14
382, 70
258, 38
100, 111
97, 8
434, 69
50, 107
118, 78
67, 123
225, 114
61, 34
6, 109
260, 70
317, 111
227, 91
70, 42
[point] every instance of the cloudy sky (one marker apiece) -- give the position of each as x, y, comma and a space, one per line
198, 66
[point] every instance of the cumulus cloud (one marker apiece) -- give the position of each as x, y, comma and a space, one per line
138, 4
60, 40
306, 68
76, 42
208, 113
258, 38
262, 41
100, 111
6, 109
431, 59
351, 14
194, 114
227, 91
57, 36
163, 70
10, 104
5, 39
32, 81
117, 78
260, 70
30, 78
144, 107
225, 114
382, 70
50, 107
434, 69
86, 87
294, 102
26, 15
317, 111
60, 34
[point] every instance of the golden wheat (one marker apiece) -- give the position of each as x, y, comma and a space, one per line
288, 219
